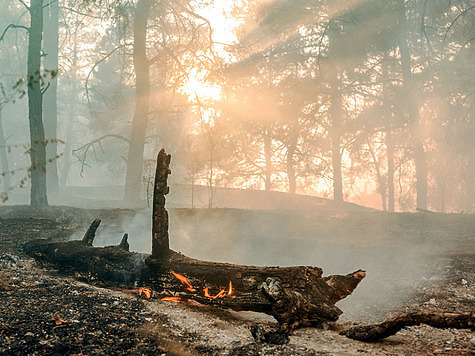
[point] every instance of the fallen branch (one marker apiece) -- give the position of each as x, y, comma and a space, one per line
392, 326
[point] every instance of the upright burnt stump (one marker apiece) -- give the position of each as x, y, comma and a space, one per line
160, 240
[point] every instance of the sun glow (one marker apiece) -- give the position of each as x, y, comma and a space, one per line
197, 88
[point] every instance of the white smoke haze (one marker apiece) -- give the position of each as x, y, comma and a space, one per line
398, 252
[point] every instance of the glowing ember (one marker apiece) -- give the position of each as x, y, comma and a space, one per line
145, 292
184, 281
142, 292
221, 293
172, 299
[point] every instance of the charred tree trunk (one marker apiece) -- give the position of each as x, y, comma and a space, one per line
38, 195
142, 103
160, 241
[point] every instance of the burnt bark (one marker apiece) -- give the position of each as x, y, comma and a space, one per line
392, 326
160, 240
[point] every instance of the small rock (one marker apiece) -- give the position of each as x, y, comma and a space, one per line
464, 282
431, 301
236, 342
29, 333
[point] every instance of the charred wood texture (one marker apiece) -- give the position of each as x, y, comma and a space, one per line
392, 326
80, 258
293, 295
160, 240
91, 232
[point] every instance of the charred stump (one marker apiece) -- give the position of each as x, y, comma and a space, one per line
160, 239
293, 295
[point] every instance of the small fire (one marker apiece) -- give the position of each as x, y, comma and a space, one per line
172, 299
185, 281
145, 292
221, 294
141, 292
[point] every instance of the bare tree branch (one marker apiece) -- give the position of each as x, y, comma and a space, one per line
24, 4
13, 26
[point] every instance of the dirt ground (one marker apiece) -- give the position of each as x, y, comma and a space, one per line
428, 264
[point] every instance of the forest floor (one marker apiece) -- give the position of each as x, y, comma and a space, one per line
42, 312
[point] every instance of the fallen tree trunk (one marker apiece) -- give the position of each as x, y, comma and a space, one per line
293, 295
392, 326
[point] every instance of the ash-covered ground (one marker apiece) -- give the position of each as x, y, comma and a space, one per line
420, 261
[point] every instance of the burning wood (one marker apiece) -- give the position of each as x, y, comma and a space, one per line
141, 292
172, 299
184, 281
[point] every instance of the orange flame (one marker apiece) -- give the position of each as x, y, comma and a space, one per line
184, 281
142, 292
230, 290
221, 293
147, 293
172, 299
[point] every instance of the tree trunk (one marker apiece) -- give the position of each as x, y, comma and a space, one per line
291, 168
71, 113
142, 103
210, 177
390, 154
160, 241
4, 157
388, 119
336, 119
38, 195
421, 176
413, 114
381, 184
50, 107
268, 158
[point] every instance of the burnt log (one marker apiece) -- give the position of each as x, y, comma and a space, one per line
293, 295
390, 327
